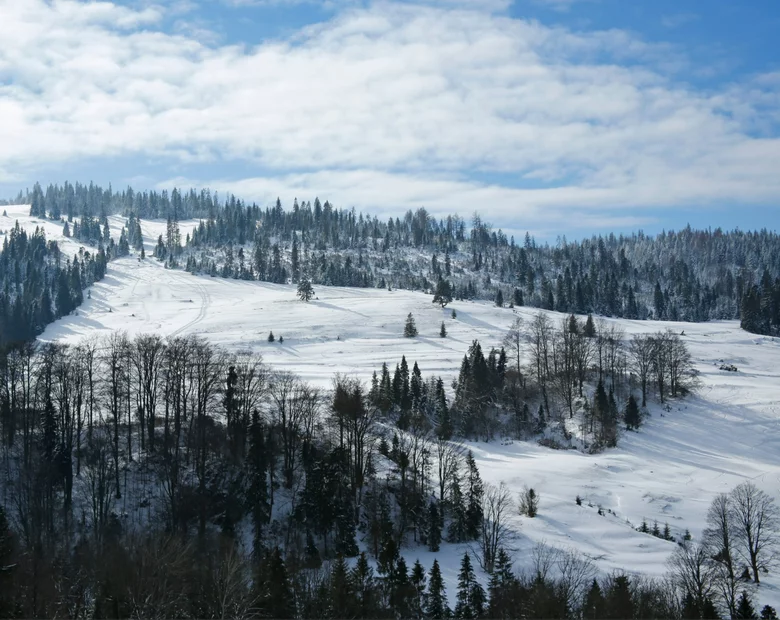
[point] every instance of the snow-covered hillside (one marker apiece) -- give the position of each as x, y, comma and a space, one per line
668, 471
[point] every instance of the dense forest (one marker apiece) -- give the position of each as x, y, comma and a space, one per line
38, 284
691, 275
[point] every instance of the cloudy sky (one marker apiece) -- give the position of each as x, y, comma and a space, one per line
556, 116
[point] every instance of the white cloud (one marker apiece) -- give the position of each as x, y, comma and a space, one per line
393, 105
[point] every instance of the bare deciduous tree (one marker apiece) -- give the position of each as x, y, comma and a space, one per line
756, 520
495, 532
575, 574
641, 358
693, 570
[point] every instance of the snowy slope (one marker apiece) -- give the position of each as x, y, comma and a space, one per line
669, 471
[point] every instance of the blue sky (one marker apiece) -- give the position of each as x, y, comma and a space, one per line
563, 117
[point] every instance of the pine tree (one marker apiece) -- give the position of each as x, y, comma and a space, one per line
443, 330
458, 531
418, 590
767, 613
277, 600
365, 588
436, 600
619, 600
305, 290
443, 293
500, 588
631, 415
410, 329
271, 337
471, 595
474, 495
401, 590
341, 594
499, 299
745, 609
594, 605
517, 297
589, 331
257, 493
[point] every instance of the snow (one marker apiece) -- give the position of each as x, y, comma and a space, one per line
669, 471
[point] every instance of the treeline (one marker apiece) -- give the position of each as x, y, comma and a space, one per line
692, 275
38, 284
761, 307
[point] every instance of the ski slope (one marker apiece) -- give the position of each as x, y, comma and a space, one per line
668, 471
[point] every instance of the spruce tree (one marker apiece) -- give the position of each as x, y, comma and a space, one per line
365, 588
589, 331
619, 600
417, 579
594, 605
474, 495
257, 492
502, 580
410, 329
443, 330
271, 337
436, 600
341, 594
767, 613
443, 293
305, 290
745, 609
631, 415
277, 600
499, 299
471, 595
458, 531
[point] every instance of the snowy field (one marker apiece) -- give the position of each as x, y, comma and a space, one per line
668, 471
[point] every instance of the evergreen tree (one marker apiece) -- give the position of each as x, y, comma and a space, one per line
594, 606
443, 293
745, 609
418, 590
305, 290
410, 329
365, 589
767, 613
471, 595
474, 495
631, 415
589, 331
257, 492
458, 531
436, 600
277, 599
517, 297
499, 298
619, 599
271, 337
443, 330
341, 594
500, 589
